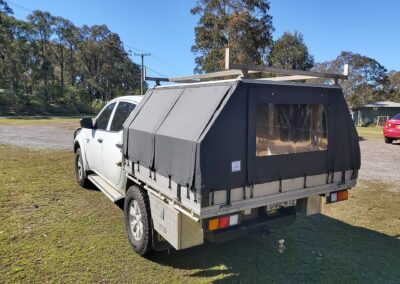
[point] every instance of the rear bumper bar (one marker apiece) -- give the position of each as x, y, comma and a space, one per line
255, 202
266, 226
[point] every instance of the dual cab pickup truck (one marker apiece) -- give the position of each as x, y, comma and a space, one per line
216, 160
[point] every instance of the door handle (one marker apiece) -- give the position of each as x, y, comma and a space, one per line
119, 145
100, 140
119, 164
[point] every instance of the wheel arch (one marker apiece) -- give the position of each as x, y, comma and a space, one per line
79, 145
130, 182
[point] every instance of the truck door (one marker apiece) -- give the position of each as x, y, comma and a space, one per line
112, 144
94, 141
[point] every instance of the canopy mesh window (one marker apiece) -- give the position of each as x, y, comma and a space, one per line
290, 128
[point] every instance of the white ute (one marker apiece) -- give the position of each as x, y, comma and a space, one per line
98, 144
214, 160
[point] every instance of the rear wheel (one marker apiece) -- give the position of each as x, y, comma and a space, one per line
388, 140
81, 176
137, 220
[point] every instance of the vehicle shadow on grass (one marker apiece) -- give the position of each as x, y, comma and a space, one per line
318, 249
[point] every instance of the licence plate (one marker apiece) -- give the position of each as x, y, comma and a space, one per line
281, 204
398, 126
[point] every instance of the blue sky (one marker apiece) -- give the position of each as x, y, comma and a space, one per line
165, 28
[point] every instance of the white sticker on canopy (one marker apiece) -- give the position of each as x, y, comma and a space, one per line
235, 166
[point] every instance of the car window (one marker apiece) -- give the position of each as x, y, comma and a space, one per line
397, 116
104, 117
121, 114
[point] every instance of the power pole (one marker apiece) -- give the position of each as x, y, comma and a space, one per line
142, 55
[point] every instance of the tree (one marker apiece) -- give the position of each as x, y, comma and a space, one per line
105, 62
290, 52
4, 9
64, 31
42, 31
393, 89
367, 77
47, 60
242, 25
4, 26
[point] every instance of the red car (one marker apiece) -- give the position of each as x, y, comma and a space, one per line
391, 129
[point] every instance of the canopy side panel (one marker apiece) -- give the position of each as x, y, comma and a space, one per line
147, 121
175, 141
223, 150
346, 152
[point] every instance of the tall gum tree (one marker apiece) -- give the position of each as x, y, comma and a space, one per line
242, 25
290, 52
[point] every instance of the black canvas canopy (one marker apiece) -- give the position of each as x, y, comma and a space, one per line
227, 134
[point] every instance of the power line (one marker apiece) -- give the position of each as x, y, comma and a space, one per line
162, 66
19, 6
168, 63
134, 48
154, 71
164, 62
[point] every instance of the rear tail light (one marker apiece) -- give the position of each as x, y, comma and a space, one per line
390, 125
338, 196
223, 222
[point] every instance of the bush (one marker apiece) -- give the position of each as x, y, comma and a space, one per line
97, 105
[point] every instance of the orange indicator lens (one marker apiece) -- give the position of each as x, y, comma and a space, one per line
213, 224
342, 195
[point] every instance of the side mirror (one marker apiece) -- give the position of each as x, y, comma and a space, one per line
86, 122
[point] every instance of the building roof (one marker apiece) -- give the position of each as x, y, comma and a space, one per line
384, 104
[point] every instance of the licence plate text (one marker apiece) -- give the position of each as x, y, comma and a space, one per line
281, 204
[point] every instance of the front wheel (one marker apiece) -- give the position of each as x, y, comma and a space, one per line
81, 176
388, 140
137, 220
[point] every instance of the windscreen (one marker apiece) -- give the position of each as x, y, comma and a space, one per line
290, 128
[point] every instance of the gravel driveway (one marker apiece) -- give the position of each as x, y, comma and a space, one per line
38, 136
380, 161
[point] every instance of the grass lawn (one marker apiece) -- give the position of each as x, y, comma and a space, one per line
51, 230
37, 120
370, 132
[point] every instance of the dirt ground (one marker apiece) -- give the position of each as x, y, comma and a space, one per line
380, 161
51, 230
45, 136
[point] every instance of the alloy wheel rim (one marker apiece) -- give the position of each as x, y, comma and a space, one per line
135, 220
80, 169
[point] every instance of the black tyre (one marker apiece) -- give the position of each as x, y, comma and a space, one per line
81, 174
388, 140
137, 220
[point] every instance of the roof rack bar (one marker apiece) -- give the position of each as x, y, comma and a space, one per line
242, 71
157, 80
288, 78
245, 68
196, 78
267, 69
